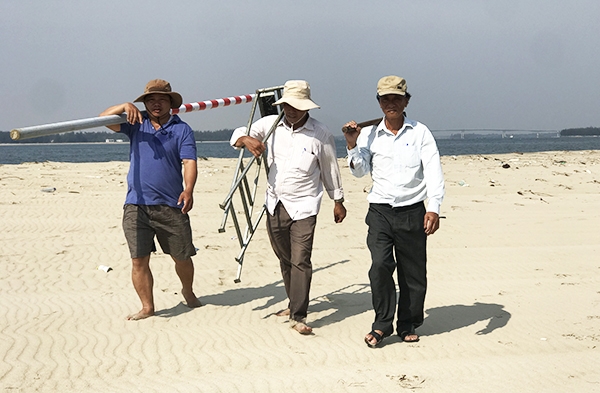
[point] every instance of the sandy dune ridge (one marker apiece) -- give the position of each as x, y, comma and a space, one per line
513, 301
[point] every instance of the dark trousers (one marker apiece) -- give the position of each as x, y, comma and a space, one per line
292, 242
397, 241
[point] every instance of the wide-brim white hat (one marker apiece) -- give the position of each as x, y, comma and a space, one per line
297, 94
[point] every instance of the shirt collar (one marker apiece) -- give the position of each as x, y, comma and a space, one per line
408, 123
174, 119
309, 125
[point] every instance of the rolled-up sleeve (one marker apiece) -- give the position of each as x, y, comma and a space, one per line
237, 134
258, 130
330, 170
359, 158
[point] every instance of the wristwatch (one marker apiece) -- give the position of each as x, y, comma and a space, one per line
341, 200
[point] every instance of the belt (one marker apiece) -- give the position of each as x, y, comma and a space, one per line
399, 208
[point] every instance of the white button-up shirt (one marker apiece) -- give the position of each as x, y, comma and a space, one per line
301, 162
405, 167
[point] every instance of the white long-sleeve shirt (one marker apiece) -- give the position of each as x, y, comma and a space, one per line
405, 167
301, 162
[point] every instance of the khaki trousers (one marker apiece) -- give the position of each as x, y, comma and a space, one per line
292, 242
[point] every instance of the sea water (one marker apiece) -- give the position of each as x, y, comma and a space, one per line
16, 153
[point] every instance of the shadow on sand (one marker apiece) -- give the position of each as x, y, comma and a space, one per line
351, 300
274, 293
448, 318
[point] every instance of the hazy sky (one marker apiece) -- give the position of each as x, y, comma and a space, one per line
469, 64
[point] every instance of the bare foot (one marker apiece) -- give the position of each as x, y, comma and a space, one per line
283, 313
191, 300
301, 327
140, 315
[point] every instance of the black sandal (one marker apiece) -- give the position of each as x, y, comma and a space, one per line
406, 333
378, 339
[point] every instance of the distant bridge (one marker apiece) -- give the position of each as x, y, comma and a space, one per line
506, 133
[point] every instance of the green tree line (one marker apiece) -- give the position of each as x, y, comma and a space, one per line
588, 131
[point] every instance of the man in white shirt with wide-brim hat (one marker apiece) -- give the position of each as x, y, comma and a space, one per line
303, 165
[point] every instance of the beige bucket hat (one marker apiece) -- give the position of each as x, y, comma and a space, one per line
297, 94
159, 86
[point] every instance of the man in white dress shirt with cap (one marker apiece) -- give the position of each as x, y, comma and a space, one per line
402, 157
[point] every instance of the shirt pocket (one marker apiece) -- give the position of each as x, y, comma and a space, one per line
303, 161
409, 156
408, 162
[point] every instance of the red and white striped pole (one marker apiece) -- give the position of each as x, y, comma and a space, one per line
210, 104
92, 122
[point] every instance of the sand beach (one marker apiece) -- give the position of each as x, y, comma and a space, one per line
513, 302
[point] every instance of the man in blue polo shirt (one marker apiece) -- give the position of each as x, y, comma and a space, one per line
159, 196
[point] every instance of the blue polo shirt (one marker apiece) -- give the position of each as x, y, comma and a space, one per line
155, 161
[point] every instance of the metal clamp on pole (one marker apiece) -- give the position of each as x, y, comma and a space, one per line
247, 195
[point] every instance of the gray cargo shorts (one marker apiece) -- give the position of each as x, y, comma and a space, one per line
170, 226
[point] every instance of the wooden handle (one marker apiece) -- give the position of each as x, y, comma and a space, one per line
364, 124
